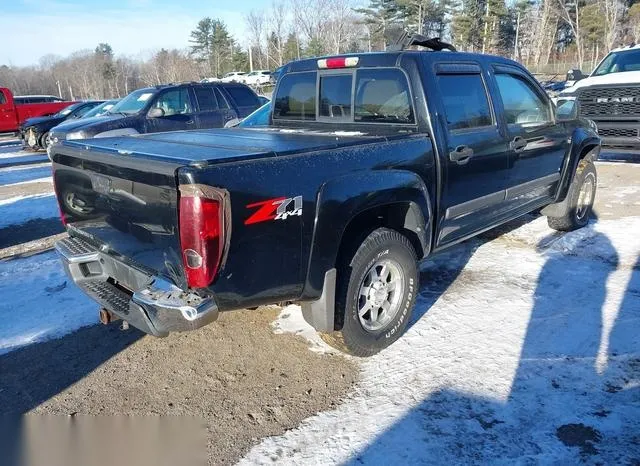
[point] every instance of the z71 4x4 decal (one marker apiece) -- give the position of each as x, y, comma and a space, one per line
279, 208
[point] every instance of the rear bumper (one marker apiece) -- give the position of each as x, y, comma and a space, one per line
149, 303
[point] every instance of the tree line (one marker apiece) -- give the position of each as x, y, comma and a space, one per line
573, 33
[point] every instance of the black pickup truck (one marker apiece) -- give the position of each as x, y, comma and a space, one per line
369, 164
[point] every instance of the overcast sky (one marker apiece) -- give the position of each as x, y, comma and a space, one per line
34, 28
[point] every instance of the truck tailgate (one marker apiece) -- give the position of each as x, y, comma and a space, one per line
125, 204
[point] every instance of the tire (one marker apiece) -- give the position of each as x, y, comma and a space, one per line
375, 294
582, 193
75, 205
44, 139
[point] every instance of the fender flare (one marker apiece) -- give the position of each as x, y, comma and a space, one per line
339, 201
585, 144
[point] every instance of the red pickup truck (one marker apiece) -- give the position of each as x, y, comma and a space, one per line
13, 114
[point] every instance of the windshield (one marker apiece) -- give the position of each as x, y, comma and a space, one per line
617, 62
134, 102
66, 111
259, 117
100, 109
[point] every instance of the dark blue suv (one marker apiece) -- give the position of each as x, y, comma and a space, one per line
166, 108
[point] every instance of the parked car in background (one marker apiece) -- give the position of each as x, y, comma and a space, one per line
258, 78
101, 109
234, 76
610, 96
167, 108
369, 164
34, 132
36, 99
14, 113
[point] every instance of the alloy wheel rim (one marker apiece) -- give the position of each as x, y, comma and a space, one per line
380, 295
585, 196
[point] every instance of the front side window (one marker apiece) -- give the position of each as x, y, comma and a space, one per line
82, 111
522, 105
296, 98
3, 99
335, 96
174, 102
465, 101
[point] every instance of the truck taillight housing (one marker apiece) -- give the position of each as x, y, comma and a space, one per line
205, 226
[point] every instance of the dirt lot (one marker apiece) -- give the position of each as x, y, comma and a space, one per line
242, 380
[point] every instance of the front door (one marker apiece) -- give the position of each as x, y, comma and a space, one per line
476, 170
537, 144
177, 112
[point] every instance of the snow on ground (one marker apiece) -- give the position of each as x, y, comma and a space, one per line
290, 320
39, 302
12, 152
522, 350
25, 174
20, 209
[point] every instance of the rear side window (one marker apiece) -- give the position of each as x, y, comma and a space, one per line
335, 96
243, 96
382, 96
465, 101
296, 99
206, 98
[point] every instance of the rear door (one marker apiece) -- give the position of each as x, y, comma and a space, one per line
8, 116
537, 144
209, 113
476, 163
179, 113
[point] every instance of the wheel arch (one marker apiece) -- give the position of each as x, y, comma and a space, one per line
352, 206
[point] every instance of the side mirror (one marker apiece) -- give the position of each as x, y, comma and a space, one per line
155, 113
567, 110
575, 75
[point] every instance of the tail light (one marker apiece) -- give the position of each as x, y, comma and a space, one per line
338, 62
205, 224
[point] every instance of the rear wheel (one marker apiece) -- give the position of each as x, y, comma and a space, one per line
580, 198
375, 294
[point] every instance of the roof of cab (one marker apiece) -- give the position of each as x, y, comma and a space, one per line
389, 59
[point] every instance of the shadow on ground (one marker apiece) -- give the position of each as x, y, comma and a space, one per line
35, 373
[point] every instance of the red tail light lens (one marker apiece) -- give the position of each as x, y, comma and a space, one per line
204, 224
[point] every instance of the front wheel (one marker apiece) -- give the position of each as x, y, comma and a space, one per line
580, 198
375, 294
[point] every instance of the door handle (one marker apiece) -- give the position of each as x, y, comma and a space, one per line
461, 155
518, 144
190, 122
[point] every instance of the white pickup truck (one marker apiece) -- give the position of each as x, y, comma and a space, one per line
610, 97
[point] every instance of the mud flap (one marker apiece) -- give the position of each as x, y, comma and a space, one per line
320, 314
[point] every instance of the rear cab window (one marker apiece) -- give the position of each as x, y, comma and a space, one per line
349, 95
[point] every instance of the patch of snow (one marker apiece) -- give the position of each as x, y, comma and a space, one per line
47, 179
24, 173
20, 209
512, 340
14, 154
290, 320
347, 133
39, 302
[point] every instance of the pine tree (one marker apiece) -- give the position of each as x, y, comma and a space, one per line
379, 17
